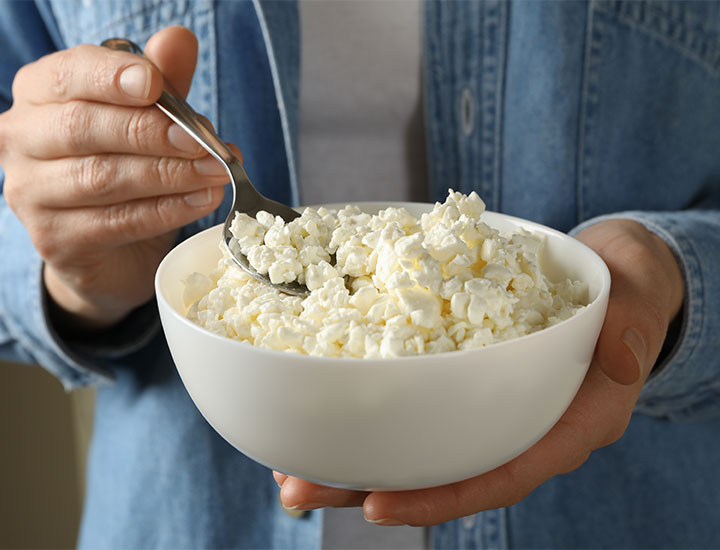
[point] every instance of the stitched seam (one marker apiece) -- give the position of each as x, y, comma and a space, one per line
489, 99
433, 114
472, 141
452, 34
461, 80
500, 101
710, 65
580, 139
588, 101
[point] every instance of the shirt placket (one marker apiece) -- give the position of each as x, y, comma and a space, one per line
464, 81
465, 70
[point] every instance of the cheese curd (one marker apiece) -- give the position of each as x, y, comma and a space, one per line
383, 285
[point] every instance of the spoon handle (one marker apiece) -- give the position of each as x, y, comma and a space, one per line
174, 106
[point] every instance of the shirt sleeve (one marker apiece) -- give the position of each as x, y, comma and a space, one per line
685, 384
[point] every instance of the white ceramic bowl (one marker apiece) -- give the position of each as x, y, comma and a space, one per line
390, 424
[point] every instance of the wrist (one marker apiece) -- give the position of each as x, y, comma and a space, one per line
72, 314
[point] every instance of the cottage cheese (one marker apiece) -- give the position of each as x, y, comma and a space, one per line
396, 285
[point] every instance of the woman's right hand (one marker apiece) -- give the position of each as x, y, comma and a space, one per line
101, 179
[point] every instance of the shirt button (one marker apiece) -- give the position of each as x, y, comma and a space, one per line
467, 111
468, 522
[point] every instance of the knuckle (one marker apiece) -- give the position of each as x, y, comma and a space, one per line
61, 72
116, 218
613, 434
168, 172
4, 123
615, 425
515, 484
47, 248
139, 129
92, 177
19, 80
164, 209
103, 76
44, 237
425, 512
5, 132
574, 463
16, 192
72, 124
12, 193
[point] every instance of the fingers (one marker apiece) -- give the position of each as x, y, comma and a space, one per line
83, 128
98, 180
297, 493
90, 73
74, 232
503, 486
174, 51
597, 417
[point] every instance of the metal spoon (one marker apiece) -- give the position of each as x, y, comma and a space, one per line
246, 198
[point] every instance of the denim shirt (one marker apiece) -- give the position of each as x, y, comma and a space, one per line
565, 113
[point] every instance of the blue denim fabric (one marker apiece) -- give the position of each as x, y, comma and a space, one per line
562, 112
574, 112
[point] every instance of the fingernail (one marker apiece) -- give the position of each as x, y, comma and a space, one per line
181, 140
209, 166
295, 513
635, 343
199, 198
306, 506
385, 521
135, 81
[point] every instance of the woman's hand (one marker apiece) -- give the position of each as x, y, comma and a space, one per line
100, 177
646, 294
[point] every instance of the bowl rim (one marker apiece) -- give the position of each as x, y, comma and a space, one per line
599, 300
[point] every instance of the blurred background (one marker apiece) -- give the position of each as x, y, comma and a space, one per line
44, 435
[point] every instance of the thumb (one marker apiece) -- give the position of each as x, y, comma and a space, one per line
174, 51
631, 338
646, 293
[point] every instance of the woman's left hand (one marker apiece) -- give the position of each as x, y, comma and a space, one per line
647, 293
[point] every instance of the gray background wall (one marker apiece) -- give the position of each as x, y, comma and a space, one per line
44, 435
